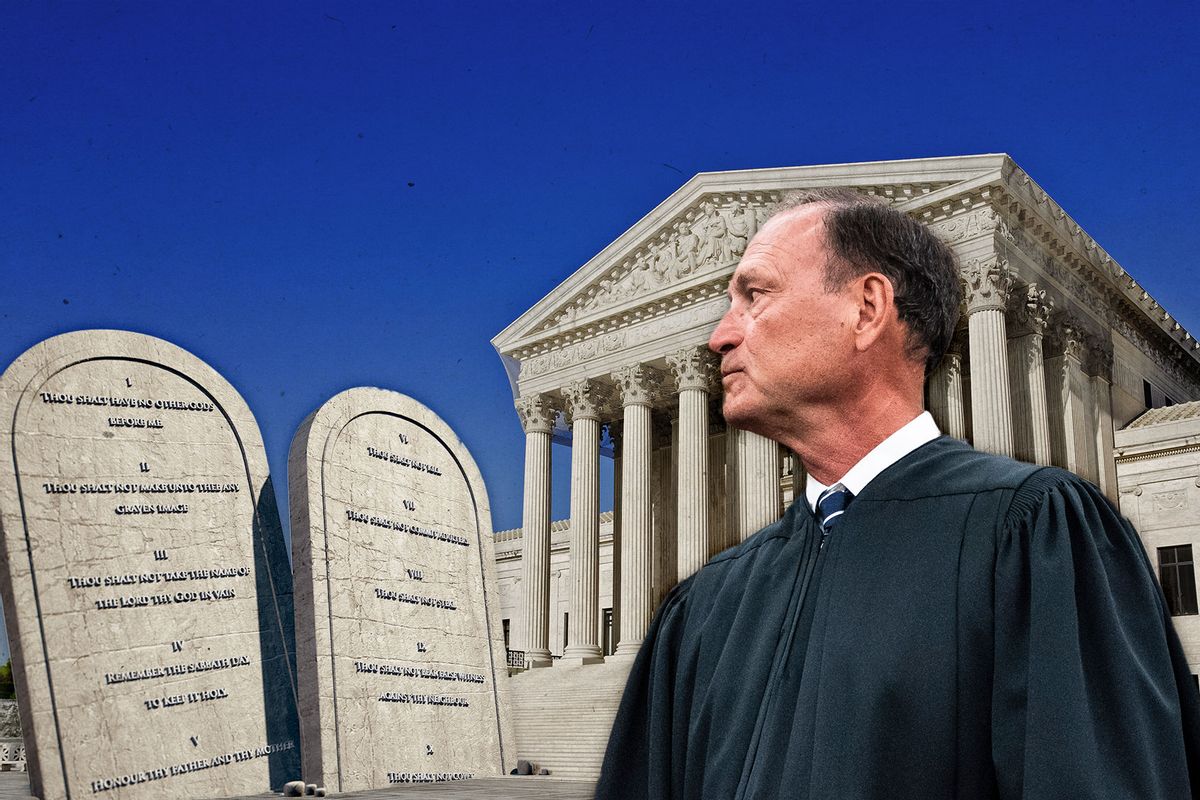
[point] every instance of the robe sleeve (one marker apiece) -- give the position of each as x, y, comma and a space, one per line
648, 738
1092, 696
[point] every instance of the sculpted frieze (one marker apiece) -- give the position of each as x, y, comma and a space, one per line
1076, 286
579, 352
709, 237
573, 354
709, 311
1182, 369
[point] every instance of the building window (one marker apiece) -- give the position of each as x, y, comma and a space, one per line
607, 627
1177, 574
504, 622
1147, 393
566, 620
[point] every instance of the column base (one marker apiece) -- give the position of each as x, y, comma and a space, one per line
626, 652
537, 658
580, 655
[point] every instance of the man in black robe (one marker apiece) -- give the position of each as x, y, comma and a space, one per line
925, 621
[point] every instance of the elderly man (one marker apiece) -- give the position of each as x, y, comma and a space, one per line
925, 621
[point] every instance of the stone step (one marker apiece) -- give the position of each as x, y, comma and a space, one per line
562, 715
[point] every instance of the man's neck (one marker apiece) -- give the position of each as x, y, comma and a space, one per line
829, 447
920, 431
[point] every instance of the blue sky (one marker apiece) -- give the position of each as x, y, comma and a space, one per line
314, 196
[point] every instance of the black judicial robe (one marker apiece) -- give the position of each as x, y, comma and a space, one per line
973, 627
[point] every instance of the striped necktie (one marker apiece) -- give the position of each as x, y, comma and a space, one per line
831, 505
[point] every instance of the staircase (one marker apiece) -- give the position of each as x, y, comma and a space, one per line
562, 715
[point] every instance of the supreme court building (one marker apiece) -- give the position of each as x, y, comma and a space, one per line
1058, 348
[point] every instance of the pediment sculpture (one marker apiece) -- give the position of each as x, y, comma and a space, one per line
708, 237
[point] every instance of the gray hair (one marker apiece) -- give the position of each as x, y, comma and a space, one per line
865, 234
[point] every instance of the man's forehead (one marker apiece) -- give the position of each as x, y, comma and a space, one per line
786, 237
798, 220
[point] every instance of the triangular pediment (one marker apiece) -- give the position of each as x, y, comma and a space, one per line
685, 249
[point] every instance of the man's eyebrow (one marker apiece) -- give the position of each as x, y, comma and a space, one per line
744, 277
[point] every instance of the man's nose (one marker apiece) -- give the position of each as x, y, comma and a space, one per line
726, 335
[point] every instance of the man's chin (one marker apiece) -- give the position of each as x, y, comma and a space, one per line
738, 417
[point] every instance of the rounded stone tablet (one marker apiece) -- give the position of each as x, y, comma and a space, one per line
399, 639
146, 584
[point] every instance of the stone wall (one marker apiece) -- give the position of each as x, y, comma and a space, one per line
10, 721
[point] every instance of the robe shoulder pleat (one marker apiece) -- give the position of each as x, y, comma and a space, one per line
1092, 693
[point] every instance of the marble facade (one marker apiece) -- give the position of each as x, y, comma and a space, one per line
1158, 472
1058, 347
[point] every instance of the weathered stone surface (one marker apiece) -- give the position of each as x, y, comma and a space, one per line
10, 720
293, 789
146, 584
399, 643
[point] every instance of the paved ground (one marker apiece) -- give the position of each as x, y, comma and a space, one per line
15, 786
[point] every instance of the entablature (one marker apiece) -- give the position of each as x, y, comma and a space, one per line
679, 257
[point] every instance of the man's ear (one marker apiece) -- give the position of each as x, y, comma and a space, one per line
877, 314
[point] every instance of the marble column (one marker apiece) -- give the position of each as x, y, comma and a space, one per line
1106, 472
637, 385
1030, 312
1070, 435
537, 417
719, 536
988, 282
616, 435
946, 395
663, 508
1091, 461
583, 400
692, 368
733, 512
757, 480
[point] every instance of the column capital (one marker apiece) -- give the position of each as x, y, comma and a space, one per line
585, 399
693, 367
1030, 308
988, 282
638, 384
537, 413
1098, 359
1065, 337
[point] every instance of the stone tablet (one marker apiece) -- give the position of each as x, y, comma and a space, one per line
145, 578
401, 654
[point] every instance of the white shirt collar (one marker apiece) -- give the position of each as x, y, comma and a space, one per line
919, 431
